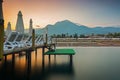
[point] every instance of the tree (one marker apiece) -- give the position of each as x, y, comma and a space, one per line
63, 35
76, 35
71, 36
53, 36
82, 36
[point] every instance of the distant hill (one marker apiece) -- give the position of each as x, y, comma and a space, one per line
69, 27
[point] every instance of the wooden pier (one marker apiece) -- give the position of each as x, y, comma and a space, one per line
27, 49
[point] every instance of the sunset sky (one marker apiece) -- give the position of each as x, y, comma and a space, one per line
43, 12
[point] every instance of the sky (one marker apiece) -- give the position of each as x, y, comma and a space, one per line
91, 13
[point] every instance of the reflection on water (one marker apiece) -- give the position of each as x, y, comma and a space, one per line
93, 63
28, 66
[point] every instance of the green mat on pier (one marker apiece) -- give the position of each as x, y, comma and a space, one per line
61, 52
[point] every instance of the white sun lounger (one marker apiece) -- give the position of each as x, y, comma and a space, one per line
9, 43
19, 40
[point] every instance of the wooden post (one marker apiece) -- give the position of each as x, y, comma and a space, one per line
43, 65
13, 58
1, 31
26, 55
43, 51
55, 59
20, 53
35, 50
1, 41
28, 64
46, 39
71, 60
33, 38
49, 59
13, 66
5, 57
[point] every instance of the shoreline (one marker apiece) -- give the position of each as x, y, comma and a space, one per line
88, 44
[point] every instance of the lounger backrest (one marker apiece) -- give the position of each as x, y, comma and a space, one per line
12, 36
25, 37
37, 39
19, 38
40, 39
29, 39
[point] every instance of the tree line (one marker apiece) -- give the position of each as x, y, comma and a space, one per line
108, 35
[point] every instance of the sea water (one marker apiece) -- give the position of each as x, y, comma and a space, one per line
89, 63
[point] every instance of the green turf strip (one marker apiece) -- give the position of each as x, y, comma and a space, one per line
61, 52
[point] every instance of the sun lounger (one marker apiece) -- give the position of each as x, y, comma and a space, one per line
19, 40
9, 43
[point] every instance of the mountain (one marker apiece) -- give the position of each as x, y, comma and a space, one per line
69, 27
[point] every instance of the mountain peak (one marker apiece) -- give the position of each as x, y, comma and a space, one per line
68, 22
65, 21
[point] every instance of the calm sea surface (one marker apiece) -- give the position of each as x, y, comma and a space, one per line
89, 63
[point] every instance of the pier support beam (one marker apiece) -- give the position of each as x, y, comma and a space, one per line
28, 59
1, 31
43, 51
5, 57
43, 64
55, 59
20, 53
13, 58
71, 60
49, 58
35, 50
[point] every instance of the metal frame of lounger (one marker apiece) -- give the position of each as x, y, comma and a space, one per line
28, 42
19, 40
9, 43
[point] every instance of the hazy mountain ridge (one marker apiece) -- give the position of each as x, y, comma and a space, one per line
69, 27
